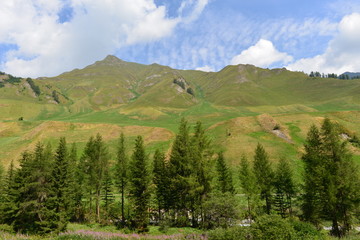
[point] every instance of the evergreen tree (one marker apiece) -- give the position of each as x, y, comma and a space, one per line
75, 190
180, 170
285, 188
264, 175
312, 176
59, 185
161, 181
8, 205
224, 178
94, 161
334, 178
121, 177
249, 187
139, 185
107, 191
31, 191
201, 175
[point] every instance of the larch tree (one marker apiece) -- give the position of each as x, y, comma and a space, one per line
139, 185
249, 187
121, 173
161, 181
224, 177
264, 175
60, 184
285, 188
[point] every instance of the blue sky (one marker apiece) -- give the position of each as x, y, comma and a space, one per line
48, 37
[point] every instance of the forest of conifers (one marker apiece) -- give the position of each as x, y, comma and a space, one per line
190, 186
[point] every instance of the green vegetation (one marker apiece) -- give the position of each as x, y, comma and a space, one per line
187, 173
45, 194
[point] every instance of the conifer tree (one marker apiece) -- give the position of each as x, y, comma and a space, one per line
312, 176
161, 181
139, 185
180, 170
224, 178
94, 161
201, 155
59, 185
264, 175
107, 192
285, 188
334, 179
31, 192
75, 190
249, 187
121, 175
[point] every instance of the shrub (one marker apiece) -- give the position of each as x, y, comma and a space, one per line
306, 231
233, 233
34, 87
272, 227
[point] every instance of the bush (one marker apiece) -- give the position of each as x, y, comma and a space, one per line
306, 231
272, 227
233, 233
221, 210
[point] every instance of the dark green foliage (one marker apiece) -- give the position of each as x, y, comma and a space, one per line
264, 175
331, 189
107, 190
190, 91
224, 177
75, 191
285, 188
121, 175
2, 84
249, 187
29, 192
55, 96
180, 168
60, 185
161, 180
33, 86
139, 185
355, 141
272, 227
11, 79
95, 162
180, 82
232, 233
221, 210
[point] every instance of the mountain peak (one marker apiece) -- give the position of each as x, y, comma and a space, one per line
110, 60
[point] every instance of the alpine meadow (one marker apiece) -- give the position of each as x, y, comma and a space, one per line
145, 147
179, 120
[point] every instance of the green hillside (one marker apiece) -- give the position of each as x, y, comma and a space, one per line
240, 105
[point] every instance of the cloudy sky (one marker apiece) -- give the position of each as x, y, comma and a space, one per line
48, 37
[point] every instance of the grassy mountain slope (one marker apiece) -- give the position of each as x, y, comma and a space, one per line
239, 106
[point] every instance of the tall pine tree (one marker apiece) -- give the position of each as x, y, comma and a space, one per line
224, 179
249, 187
334, 179
59, 185
161, 181
264, 175
121, 175
139, 185
285, 188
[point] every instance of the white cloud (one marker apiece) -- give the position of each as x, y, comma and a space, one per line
342, 53
47, 47
262, 54
205, 68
